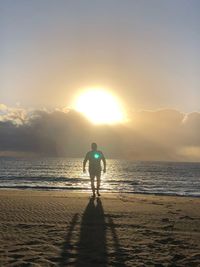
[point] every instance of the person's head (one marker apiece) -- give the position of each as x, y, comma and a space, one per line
94, 146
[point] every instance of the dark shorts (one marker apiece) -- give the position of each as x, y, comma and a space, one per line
95, 172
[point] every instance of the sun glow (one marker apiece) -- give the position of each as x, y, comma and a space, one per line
99, 106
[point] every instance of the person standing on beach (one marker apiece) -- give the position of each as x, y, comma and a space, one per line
95, 157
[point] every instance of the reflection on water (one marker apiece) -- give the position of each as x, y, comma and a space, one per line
121, 176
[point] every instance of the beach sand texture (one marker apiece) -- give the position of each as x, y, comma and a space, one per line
70, 229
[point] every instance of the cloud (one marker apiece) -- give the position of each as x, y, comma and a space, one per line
15, 115
149, 135
3, 107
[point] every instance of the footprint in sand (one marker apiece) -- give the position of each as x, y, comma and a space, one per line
165, 220
186, 217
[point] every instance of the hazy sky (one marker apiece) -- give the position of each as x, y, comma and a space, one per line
147, 51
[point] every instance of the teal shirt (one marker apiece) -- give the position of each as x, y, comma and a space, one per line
94, 158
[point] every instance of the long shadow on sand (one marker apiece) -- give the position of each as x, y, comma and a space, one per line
67, 247
92, 243
91, 246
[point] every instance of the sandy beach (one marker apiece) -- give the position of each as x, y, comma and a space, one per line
70, 229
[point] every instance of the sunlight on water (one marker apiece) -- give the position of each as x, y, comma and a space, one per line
122, 176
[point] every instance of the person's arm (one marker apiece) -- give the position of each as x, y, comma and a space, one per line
84, 162
104, 163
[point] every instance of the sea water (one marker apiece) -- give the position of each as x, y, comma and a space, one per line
167, 178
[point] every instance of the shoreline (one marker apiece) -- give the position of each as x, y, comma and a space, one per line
41, 189
54, 228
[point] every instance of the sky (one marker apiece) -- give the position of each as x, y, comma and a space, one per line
146, 52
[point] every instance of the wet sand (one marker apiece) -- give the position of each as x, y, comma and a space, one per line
70, 229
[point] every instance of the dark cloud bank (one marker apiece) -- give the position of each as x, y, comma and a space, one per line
149, 135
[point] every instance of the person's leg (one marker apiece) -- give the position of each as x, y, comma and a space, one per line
92, 183
98, 183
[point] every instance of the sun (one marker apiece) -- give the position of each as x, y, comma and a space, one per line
99, 106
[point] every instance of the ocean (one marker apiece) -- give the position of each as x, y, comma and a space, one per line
165, 178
